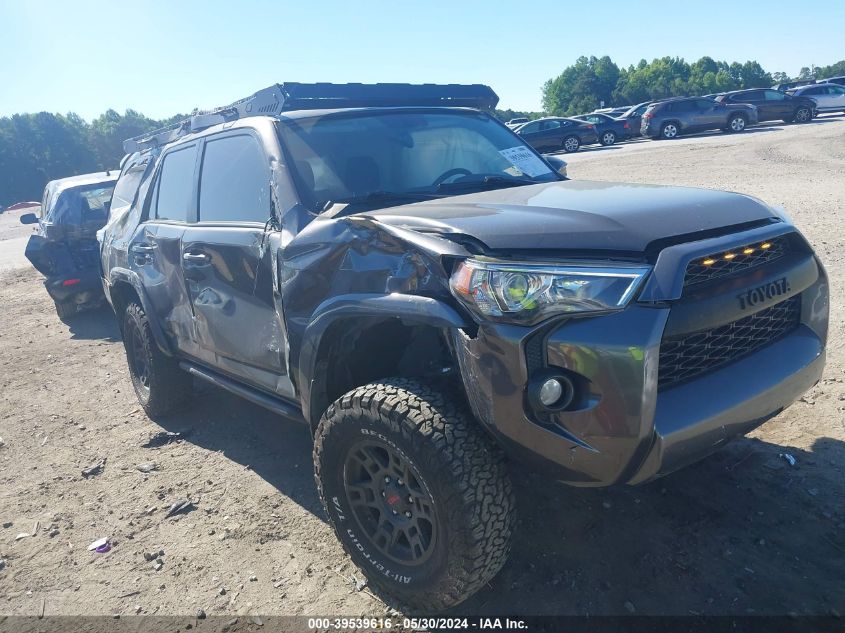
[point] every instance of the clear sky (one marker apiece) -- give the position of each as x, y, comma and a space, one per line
161, 58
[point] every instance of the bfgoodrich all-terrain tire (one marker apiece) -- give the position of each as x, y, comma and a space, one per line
157, 379
414, 490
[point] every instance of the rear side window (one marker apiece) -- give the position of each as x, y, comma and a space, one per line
234, 181
176, 184
127, 186
773, 95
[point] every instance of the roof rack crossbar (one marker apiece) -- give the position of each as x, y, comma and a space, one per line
278, 98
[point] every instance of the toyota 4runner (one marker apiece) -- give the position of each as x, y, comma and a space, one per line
395, 268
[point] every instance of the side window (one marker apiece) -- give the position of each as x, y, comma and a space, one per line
234, 181
704, 104
813, 91
773, 95
549, 125
529, 128
175, 185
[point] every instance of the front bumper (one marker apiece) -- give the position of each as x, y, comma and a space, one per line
623, 428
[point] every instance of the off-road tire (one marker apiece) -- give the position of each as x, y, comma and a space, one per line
456, 463
66, 310
163, 386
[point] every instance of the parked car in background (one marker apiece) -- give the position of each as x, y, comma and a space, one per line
667, 119
557, 133
828, 97
608, 129
833, 80
614, 112
65, 248
517, 121
634, 117
773, 105
789, 85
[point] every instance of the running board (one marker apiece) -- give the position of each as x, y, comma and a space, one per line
276, 405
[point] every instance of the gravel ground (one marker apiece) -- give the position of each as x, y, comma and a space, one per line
741, 532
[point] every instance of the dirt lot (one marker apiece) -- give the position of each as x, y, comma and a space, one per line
742, 532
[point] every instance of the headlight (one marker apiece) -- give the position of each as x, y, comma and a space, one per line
528, 293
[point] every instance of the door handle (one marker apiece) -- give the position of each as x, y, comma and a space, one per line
196, 258
143, 253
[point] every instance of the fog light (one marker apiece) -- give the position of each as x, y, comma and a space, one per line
550, 392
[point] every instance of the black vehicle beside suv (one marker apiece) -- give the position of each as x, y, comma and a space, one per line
420, 287
669, 118
608, 129
553, 134
773, 105
65, 248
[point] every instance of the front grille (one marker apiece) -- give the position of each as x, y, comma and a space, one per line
691, 355
734, 260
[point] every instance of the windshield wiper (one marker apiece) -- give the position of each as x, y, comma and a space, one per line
495, 181
380, 196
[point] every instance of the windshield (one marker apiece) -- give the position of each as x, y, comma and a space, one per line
359, 156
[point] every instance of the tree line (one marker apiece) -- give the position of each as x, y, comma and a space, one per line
593, 81
37, 148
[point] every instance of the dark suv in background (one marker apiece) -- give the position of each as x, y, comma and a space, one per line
669, 118
772, 104
428, 295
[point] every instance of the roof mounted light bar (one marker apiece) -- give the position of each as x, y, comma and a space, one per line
278, 98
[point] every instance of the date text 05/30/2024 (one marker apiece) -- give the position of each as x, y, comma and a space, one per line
480, 624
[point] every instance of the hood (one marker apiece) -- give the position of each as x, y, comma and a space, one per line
580, 215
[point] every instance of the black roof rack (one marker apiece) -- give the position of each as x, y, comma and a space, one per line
278, 98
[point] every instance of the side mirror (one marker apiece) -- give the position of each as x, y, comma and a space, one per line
29, 218
556, 163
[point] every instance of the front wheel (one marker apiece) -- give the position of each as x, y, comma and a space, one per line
737, 123
608, 138
416, 493
802, 115
571, 144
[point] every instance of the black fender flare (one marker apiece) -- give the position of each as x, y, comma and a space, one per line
408, 308
124, 275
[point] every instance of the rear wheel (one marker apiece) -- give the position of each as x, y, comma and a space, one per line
608, 138
737, 123
415, 491
571, 144
669, 130
159, 383
66, 309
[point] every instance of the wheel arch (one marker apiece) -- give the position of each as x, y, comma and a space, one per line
123, 287
409, 334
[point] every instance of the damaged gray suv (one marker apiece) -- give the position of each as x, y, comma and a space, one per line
398, 270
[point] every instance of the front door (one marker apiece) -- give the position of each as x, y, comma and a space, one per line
227, 264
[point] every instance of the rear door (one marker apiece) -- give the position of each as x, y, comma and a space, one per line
227, 264
155, 249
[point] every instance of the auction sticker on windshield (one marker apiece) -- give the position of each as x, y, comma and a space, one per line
527, 162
